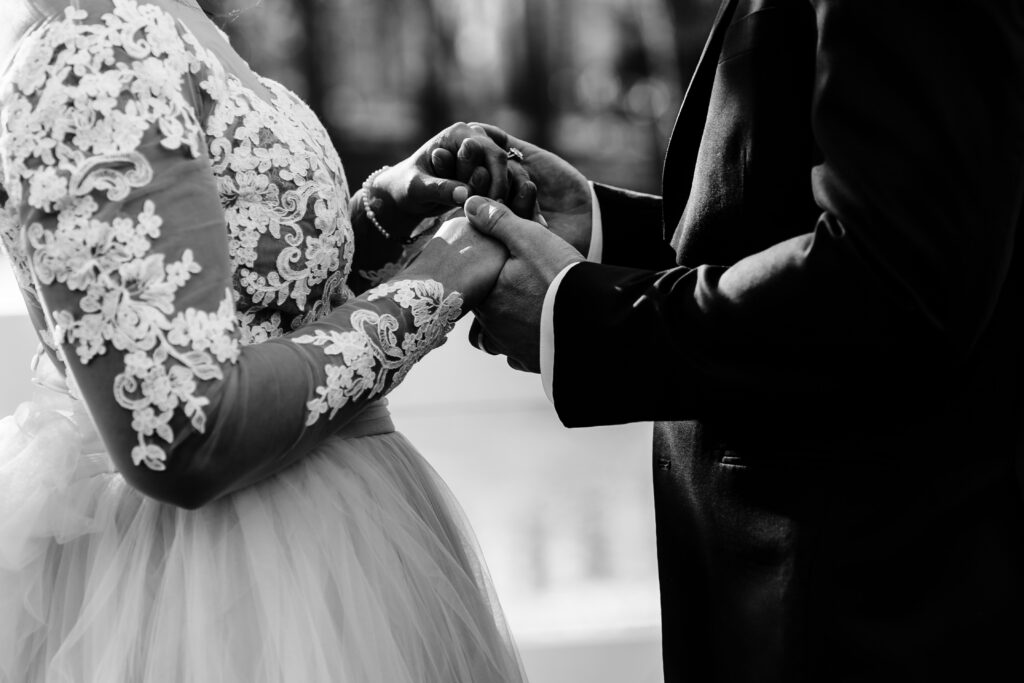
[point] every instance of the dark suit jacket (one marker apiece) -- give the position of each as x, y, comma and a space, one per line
829, 334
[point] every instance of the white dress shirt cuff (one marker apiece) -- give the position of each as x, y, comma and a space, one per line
596, 250
547, 334
547, 315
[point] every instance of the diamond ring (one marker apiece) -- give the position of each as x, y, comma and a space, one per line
514, 154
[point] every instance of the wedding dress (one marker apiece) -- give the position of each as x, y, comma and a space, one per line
182, 238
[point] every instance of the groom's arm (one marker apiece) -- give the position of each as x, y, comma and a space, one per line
631, 229
636, 239
920, 195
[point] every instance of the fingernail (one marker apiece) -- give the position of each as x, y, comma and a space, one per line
460, 195
474, 205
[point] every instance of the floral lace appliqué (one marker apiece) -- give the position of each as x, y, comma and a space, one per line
128, 303
69, 134
284, 193
372, 355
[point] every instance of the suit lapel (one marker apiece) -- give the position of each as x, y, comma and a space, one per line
686, 134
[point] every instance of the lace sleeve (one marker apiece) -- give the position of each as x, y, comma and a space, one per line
104, 157
377, 259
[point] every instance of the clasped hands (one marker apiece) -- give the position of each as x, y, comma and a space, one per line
528, 215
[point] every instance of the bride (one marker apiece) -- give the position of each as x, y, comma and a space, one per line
211, 489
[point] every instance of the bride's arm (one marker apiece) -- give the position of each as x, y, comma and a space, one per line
104, 156
381, 252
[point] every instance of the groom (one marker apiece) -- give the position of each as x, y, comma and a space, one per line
824, 315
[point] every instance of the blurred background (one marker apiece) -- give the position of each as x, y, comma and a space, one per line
564, 517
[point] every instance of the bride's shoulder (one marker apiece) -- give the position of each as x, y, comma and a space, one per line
42, 12
34, 18
128, 27
33, 14
20, 17
84, 9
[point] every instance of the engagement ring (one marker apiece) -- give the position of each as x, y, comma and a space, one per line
514, 153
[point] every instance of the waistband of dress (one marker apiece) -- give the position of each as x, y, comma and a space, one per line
373, 420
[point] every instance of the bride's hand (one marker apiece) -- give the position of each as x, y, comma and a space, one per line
562, 192
460, 161
462, 259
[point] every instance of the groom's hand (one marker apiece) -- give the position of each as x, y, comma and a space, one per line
563, 193
510, 316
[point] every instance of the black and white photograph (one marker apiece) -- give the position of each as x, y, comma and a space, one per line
511, 341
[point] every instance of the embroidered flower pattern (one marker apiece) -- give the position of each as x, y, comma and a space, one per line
288, 197
74, 118
371, 354
79, 109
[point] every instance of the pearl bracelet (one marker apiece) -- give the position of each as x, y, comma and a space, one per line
370, 213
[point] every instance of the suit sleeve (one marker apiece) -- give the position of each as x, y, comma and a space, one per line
632, 229
919, 114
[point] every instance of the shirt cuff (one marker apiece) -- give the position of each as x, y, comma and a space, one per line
596, 249
547, 315
547, 334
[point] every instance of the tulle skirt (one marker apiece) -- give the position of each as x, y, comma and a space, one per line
352, 566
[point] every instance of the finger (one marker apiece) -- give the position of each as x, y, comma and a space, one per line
478, 337
467, 159
480, 180
523, 192
537, 216
479, 150
477, 129
451, 137
476, 332
442, 163
516, 365
497, 163
439, 191
497, 221
500, 137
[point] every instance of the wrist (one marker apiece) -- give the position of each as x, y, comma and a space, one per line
380, 198
550, 269
434, 262
460, 260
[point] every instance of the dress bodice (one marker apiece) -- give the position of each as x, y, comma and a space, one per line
281, 182
285, 202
